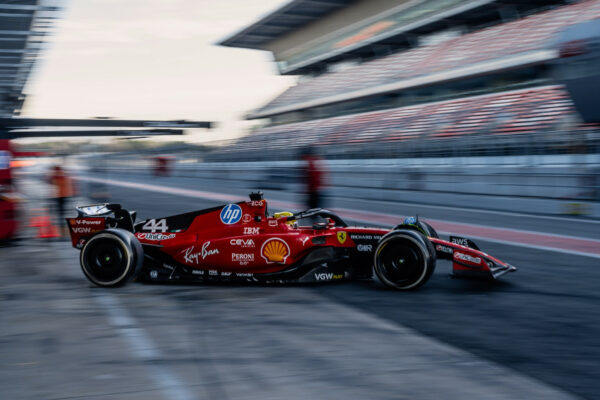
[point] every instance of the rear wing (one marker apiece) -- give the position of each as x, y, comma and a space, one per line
94, 218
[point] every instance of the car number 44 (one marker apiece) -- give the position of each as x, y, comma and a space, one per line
153, 225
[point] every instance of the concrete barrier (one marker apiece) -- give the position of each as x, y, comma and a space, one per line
553, 184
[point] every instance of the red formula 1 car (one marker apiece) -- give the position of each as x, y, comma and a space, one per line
241, 242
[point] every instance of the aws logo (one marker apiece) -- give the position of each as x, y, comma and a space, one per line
275, 250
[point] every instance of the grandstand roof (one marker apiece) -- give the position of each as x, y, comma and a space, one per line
298, 13
291, 16
23, 25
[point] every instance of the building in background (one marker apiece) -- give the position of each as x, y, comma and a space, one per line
424, 78
24, 26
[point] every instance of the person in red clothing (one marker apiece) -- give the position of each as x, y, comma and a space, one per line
63, 190
161, 166
314, 178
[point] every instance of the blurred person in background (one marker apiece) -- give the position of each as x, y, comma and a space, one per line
314, 178
161, 166
62, 190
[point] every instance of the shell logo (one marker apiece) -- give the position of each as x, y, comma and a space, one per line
275, 250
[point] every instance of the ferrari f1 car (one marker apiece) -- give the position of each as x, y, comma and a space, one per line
242, 242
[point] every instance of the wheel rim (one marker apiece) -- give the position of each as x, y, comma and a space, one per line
402, 263
106, 260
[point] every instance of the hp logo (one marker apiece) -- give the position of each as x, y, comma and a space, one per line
231, 213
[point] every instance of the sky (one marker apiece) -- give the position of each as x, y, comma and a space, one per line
155, 59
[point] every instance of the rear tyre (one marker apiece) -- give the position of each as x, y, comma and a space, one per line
404, 260
111, 258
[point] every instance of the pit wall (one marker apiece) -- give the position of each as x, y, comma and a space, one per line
550, 184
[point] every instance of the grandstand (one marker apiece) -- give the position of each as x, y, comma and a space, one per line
418, 78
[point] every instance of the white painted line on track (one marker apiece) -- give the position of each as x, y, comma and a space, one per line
554, 235
214, 196
376, 214
143, 348
283, 204
164, 189
519, 244
497, 212
530, 246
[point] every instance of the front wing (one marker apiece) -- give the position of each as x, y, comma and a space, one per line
469, 261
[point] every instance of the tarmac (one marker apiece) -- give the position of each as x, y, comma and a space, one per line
533, 335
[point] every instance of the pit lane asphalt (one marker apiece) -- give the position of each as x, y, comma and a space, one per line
221, 341
542, 321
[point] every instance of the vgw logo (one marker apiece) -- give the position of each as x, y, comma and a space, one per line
82, 230
324, 276
231, 213
327, 276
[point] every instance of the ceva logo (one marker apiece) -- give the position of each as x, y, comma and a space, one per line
230, 214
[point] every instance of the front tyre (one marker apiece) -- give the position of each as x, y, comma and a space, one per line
111, 258
428, 229
418, 225
404, 260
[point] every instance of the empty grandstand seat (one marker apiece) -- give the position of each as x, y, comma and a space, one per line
512, 38
505, 115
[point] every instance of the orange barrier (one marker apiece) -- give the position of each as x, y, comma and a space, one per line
46, 229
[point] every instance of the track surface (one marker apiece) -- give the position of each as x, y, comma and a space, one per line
535, 334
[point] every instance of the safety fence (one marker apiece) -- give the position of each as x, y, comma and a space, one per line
555, 184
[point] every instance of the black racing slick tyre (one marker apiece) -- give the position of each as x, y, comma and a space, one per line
420, 226
428, 229
111, 258
404, 260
